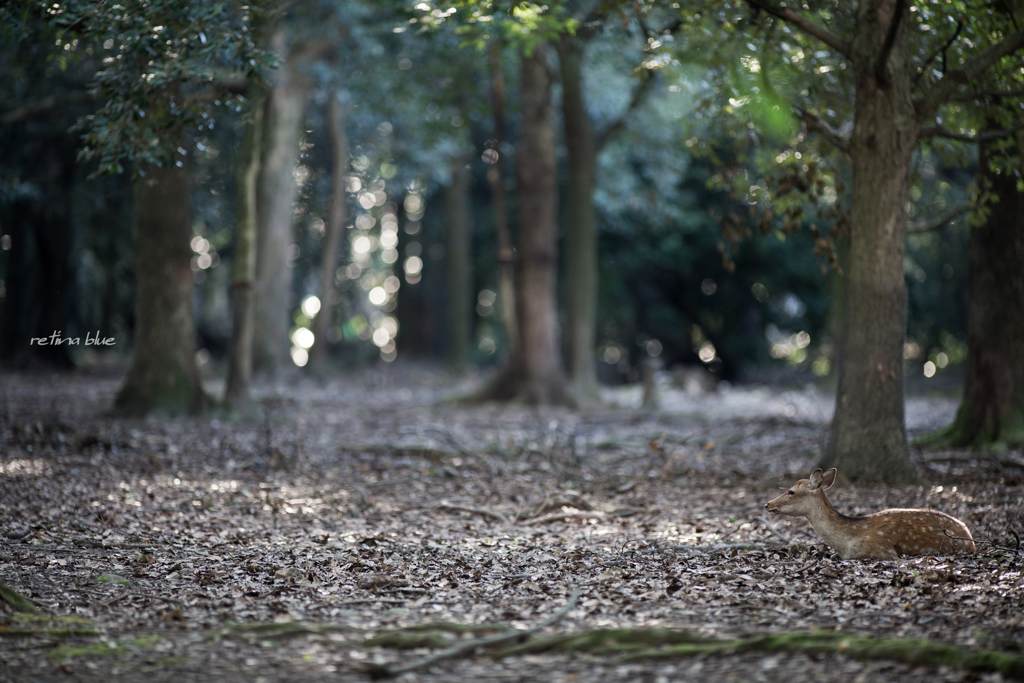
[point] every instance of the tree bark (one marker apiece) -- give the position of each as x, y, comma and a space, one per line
243, 279
992, 409
542, 379
868, 438
496, 178
335, 231
580, 284
163, 378
457, 265
286, 104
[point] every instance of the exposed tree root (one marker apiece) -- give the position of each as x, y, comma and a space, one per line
16, 599
453, 627
288, 629
433, 635
634, 644
468, 647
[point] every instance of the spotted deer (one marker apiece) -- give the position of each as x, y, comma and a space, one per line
884, 535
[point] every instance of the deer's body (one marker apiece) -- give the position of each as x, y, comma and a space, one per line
884, 535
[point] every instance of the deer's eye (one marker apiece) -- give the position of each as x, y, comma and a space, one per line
791, 493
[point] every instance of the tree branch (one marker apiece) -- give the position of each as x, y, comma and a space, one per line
890, 39
592, 22
941, 221
619, 124
817, 124
940, 132
935, 96
640, 93
968, 96
235, 84
806, 25
942, 51
468, 647
40, 106
812, 121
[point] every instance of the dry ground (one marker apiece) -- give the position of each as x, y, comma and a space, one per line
277, 549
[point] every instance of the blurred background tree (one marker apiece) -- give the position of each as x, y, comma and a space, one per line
386, 211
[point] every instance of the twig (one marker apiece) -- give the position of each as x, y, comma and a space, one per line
470, 646
298, 442
717, 546
452, 441
940, 132
45, 104
775, 531
393, 482
924, 67
806, 25
493, 514
940, 222
809, 565
556, 516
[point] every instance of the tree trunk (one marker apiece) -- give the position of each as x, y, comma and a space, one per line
542, 379
580, 285
868, 439
335, 230
992, 409
39, 274
496, 178
457, 265
243, 278
163, 378
286, 104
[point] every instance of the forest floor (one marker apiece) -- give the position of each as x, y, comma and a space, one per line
367, 522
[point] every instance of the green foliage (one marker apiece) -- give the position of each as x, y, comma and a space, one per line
166, 66
720, 153
522, 24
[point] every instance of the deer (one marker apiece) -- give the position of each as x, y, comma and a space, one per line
888, 534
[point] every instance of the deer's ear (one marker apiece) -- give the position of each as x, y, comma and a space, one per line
815, 479
828, 479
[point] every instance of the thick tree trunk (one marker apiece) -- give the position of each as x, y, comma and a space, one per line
243, 278
868, 439
542, 379
993, 404
163, 378
335, 231
286, 104
580, 284
496, 178
457, 264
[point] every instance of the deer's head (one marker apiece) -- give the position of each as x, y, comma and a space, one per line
804, 496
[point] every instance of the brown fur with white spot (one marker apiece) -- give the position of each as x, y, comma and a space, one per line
888, 534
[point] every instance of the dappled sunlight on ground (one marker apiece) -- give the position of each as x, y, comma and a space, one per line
372, 502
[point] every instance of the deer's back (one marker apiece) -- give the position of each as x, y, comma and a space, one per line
892, 533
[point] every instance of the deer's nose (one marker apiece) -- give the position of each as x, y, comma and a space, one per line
766, 506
